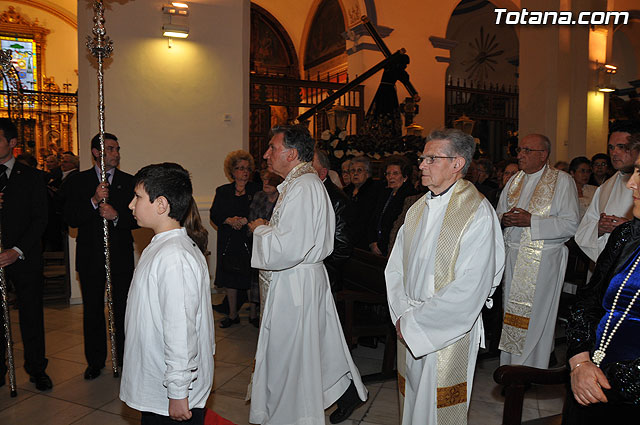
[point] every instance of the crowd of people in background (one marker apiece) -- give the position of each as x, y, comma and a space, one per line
539, 207
378, 196
56, 168
541, 210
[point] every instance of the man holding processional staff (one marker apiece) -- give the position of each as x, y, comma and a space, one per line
24, 218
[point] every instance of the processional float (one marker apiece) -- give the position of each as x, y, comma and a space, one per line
389, 59
15, 99
101, 46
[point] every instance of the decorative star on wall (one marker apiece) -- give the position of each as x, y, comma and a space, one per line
484, 50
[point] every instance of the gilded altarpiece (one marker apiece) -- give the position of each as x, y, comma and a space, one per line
48, 122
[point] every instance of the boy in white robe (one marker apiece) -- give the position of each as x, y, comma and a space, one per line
168, 360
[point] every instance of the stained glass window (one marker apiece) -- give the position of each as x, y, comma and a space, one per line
24, 59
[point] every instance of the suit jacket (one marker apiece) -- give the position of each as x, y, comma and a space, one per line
342, 245
54, 177
79, 212
24, 213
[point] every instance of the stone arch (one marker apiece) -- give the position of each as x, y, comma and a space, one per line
330, 44
482, 75
272, 51
484, 52
58, 11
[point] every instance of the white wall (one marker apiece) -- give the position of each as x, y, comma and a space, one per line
168, 104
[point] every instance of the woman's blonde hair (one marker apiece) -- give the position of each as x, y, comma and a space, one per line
232, 160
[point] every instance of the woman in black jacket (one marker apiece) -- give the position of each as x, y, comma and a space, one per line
390, 203
604, 332
229, 213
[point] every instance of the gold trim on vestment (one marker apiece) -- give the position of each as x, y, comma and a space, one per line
401, 383
525, 273
450, 396
452, 360
516, 321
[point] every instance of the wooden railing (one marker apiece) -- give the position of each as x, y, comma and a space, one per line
287, 98
47, 117
493, 107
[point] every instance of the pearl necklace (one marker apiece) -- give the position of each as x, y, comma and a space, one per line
599, 354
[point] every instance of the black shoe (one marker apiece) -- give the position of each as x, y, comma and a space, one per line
342, 413
42, 381
226, 322
255, 322
91, 372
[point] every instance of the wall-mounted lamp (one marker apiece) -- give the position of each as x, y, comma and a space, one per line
176, 8
179, 29
605, 71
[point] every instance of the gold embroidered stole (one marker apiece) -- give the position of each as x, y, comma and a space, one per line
525, 274
452, 360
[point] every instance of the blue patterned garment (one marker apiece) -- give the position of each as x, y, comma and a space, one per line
625, 343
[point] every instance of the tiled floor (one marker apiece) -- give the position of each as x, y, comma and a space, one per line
76, 401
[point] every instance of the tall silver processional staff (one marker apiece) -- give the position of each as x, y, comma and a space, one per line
14, 101
101, 47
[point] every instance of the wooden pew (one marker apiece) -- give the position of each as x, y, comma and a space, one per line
363, 284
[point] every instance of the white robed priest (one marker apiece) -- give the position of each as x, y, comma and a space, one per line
302, 364
539, 211
446, 262
612, 204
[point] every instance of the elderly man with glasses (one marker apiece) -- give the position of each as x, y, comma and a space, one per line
539, 212
447, 260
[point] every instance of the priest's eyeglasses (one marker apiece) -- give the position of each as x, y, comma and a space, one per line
527, 151
430, 159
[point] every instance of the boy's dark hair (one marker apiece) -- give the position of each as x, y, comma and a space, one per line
8, 128
169, 180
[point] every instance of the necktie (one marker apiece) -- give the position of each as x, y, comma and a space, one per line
3, 177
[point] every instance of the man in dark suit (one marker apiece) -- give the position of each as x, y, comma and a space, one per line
87, 201
24, 218
342, 246
69, 165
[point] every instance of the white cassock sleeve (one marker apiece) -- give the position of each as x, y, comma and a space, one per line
587, 233
179, 296
394, 277
565, 213
287, 244
447, 316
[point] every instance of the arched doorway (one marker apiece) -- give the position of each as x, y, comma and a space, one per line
272, 54
324, 53
482, 79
